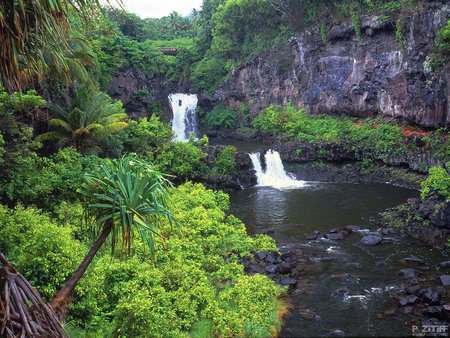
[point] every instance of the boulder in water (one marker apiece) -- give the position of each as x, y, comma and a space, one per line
408, 273
371, 240
352, 228
445, 280
288, 281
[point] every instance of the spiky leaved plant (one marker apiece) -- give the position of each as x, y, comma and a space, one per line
125, 197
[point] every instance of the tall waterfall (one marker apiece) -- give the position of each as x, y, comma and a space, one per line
274, 176
184, 119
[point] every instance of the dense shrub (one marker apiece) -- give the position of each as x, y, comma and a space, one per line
45, 253
383, 138
195, 283
221, 116
225, 162
182, 159
437, 182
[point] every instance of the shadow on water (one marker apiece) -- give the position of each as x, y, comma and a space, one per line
347, 286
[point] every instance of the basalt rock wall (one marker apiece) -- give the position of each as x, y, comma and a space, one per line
377, 74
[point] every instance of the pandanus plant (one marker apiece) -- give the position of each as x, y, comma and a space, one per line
124, 198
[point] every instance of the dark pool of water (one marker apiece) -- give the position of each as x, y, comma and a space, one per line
370, 273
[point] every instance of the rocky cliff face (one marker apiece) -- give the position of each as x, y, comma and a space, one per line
137, 90
375, 75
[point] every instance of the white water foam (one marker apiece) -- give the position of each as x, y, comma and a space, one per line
184, 118
274, 176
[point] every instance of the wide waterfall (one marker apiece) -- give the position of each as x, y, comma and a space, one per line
184, 118
274, 176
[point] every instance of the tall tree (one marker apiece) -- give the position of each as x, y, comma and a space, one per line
27, 28
126, 196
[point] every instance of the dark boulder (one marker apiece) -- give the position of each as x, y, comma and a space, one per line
371, 240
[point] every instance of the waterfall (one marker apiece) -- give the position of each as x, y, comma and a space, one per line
274, 176
184, 119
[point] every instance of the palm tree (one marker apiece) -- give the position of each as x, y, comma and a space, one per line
125, 196
90, 117
28, 27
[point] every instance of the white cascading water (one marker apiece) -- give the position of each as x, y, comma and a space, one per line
184, 118
274, 176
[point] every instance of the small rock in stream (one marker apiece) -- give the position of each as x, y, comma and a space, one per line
336, 333
371, 240
445, 264
445, 280
412, 290
334, 236
408, 273
284, 268
434, 310
414, 260
352, 228
288, 281
389, 312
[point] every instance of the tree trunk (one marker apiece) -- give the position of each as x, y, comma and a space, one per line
62, 299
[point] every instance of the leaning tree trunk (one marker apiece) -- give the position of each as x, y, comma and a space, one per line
22, 311
62, 299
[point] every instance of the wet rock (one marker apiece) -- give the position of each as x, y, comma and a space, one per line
412, 290
344, 290
430, 295
371, 240
261, 255
316, 232
284, 268
333, 231
336, 333
334, 236
256, 269
270, 259
387, 231
407, 300
413, 260
407, 309
408, 273
271, 268
288, 281
434, 310
446, 307
308, 314
352, 228
445, 264
311, 237
445, 280
389, 312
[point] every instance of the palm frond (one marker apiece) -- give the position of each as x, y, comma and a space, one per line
130, 194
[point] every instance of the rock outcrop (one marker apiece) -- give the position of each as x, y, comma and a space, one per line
138, 91
376, 75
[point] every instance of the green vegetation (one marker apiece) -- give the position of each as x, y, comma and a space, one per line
442, 47
225, 163
194, 282
383, 138
438, 182
221, 116
76, 173
89, 117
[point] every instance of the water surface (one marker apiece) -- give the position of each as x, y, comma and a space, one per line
348, 285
